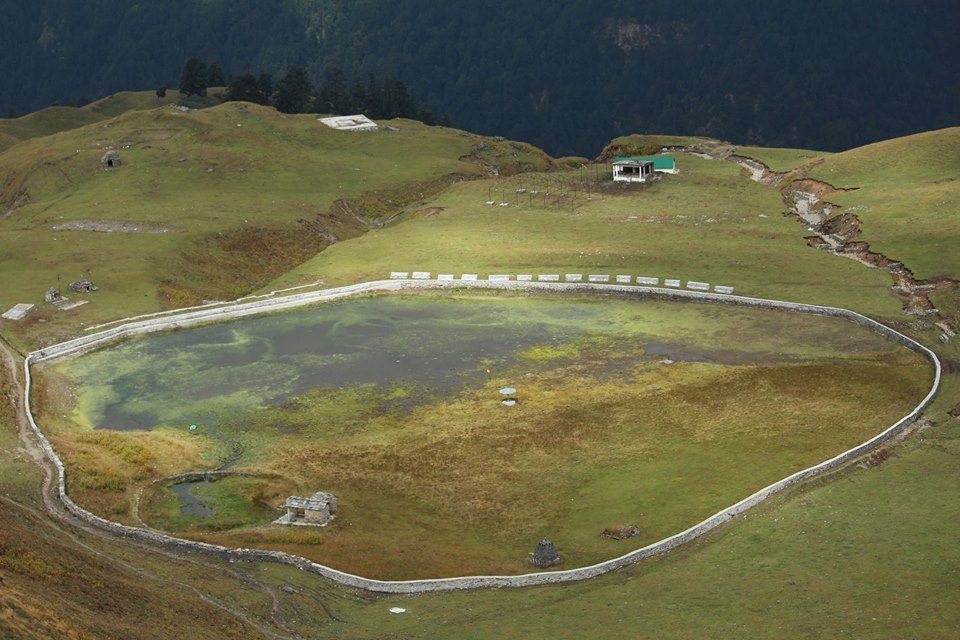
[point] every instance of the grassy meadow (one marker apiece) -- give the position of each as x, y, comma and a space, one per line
708, 224
905, 193
867, 552
781, 160
226, 198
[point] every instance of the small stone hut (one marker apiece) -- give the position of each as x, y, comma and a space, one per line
111, 160
316, 510
546, 554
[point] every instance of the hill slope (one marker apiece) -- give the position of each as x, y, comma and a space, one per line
906, 194
211, 204
812, 562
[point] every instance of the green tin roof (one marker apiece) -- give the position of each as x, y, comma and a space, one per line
659, 162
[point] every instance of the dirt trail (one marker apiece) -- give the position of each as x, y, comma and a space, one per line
30, 445
111, 226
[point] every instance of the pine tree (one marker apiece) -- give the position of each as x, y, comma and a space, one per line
193, 79
294, 92
244, 87
264, 89
215, 77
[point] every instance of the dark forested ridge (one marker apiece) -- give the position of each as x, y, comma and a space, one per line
567, 75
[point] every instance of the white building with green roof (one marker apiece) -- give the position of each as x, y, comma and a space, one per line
641, 168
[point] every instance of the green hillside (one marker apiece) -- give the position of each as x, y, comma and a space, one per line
52, 120
224, 200
47, 121
699, 225
780, 160
906, 194
238, 199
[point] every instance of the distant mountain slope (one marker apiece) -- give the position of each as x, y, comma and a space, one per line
566, 75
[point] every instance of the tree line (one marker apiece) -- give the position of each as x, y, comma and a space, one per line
566, 75
296, 93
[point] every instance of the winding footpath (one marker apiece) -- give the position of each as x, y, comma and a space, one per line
247, 308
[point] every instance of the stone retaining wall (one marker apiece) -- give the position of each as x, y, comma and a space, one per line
470, 582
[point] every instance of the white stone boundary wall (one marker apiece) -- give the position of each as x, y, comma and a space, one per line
469, 582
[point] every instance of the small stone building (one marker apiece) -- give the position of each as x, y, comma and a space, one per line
317, 510
632, 170
641, 169
111, 160
545, 555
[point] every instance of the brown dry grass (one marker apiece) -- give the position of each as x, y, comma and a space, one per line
471, 481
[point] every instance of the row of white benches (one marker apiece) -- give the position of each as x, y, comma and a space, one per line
568, 277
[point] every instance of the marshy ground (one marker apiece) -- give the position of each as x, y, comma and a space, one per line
655, 414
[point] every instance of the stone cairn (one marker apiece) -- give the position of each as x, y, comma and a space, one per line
546, 554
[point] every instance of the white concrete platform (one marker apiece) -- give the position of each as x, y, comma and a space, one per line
17, 311
356, 122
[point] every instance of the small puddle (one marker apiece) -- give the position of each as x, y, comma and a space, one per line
190, 503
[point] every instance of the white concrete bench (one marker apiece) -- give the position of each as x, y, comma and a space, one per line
698, 286
598, 278
524, 277
624, 279
421, 275
399, 275
671, 283
573, 277
548, 277
723, 289
648, 280
444, 276
500, 277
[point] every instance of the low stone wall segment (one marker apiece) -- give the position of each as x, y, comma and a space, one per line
241, 309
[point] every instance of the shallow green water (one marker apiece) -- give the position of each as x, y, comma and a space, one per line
432, 344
